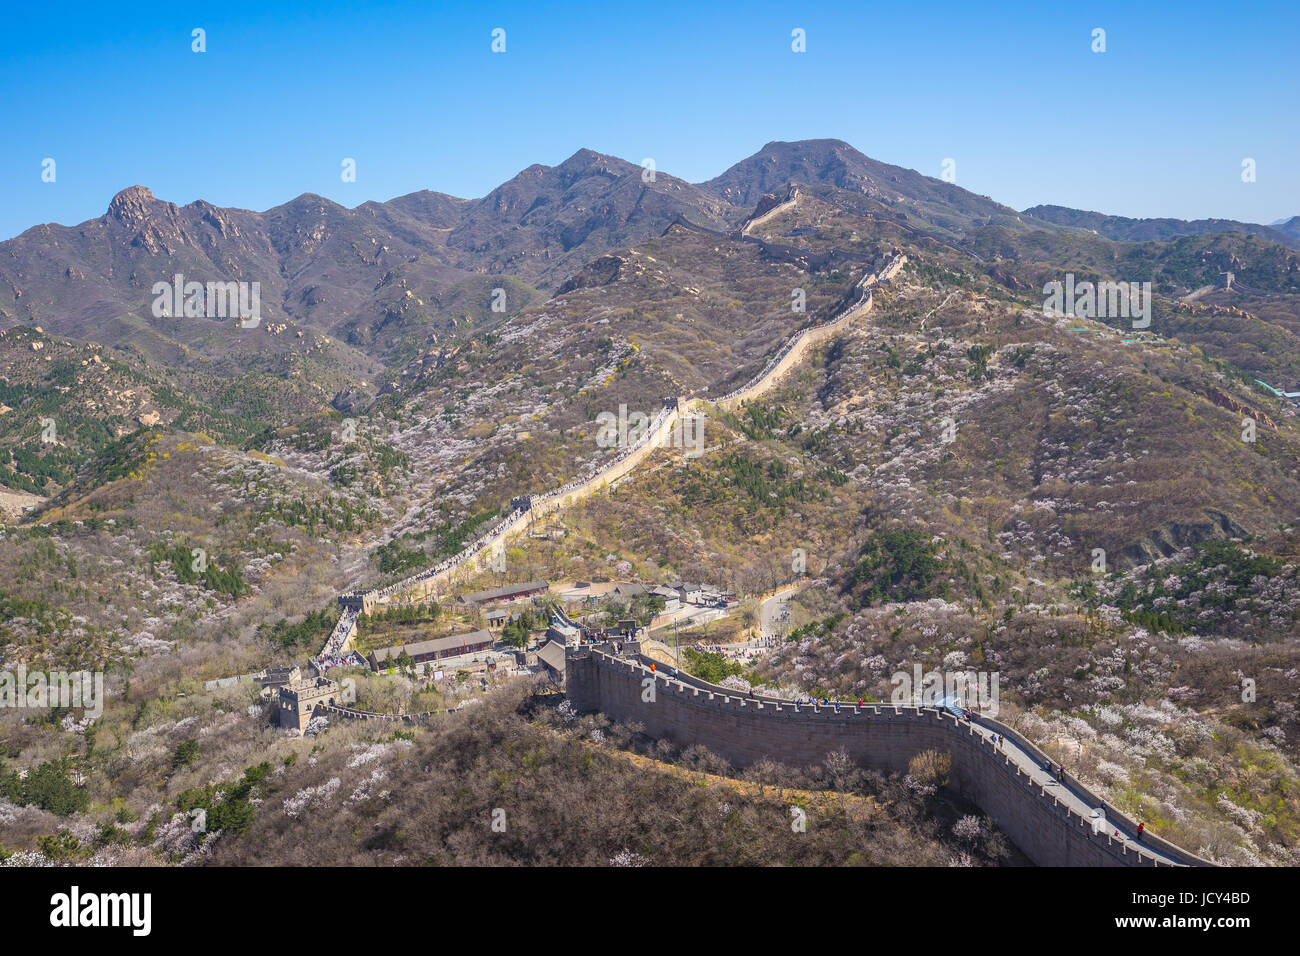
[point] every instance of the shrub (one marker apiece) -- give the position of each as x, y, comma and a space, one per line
187, 751
931, 768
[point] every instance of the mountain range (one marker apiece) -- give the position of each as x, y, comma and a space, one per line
1100, 512
388, 277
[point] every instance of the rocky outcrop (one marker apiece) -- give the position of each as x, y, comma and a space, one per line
352, 402
132, 205
602, 271
1174, 536
1236, 406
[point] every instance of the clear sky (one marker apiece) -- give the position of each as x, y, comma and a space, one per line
1158, 125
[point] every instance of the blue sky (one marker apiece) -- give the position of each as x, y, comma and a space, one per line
1158, 125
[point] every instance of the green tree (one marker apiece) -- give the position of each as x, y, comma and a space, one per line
187, 751
898, 565
517, 632
60, 846
710, 666
50, 788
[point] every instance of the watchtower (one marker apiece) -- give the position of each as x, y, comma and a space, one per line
300, 698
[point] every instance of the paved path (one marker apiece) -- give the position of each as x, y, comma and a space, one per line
769, 628
1082, 803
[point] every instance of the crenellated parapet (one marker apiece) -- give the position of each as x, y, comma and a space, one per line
1051, 821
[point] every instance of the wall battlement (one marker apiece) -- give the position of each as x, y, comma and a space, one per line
745, 729
351, 713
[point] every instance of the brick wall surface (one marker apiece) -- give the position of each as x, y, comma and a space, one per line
880, 737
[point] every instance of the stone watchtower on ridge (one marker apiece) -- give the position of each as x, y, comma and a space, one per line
300, 698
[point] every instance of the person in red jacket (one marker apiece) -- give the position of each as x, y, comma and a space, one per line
1141, 826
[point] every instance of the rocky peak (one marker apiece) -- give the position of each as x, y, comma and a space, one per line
588, 162
131, 203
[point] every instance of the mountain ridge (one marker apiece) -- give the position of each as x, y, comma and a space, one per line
1128, 229
395, 276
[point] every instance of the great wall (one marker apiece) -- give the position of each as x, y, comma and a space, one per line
1042, 816
769, 210
427, 584
1003, 777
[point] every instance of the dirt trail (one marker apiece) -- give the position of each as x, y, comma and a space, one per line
808, 799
